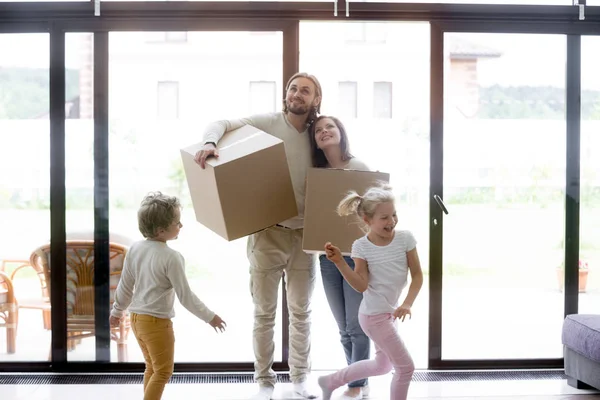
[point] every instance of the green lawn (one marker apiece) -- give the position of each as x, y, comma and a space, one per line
481, 242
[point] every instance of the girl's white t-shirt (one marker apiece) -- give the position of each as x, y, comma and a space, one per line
388, 271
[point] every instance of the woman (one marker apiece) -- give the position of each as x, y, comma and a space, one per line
330, 149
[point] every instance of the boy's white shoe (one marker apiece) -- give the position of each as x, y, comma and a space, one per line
264, 393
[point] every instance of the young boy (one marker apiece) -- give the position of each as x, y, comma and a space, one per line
152, 274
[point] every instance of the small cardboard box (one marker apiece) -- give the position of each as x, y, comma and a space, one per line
247, 189
324, 190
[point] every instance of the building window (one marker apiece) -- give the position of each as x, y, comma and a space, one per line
167, 96
263, 95
348, 99
382, 100
166, 37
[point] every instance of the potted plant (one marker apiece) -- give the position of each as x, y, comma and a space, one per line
583, 275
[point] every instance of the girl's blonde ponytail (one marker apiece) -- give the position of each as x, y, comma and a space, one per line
364, 206
349, 204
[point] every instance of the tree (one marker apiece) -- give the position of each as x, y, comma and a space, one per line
24, 92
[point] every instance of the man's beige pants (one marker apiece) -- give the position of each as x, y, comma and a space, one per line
271, 253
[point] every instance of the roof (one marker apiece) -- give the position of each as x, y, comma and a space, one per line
461, 48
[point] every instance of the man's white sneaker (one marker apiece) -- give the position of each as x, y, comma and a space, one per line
301, 389
264, 393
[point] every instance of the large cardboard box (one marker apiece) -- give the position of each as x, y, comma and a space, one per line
324, 190
247, 189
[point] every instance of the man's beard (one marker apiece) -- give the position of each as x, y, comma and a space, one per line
297, 110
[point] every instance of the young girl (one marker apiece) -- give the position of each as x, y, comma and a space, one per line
152, 274
383, 258
331, 149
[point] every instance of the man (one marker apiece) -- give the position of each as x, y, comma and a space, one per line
279, 248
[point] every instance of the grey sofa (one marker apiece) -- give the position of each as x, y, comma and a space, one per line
581, 344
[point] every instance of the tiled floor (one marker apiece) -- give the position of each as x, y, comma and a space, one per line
488, 390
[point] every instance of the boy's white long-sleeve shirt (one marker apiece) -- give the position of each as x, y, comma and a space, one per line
152, 274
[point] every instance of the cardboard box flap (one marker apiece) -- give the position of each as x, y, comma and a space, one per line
237, 144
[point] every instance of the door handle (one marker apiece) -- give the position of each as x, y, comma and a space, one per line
440, 203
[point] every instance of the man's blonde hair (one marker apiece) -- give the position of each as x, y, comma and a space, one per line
157, 211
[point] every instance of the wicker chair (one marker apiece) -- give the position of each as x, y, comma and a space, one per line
39, 303
9, 312
80, 290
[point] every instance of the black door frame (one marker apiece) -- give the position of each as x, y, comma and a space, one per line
572, 178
